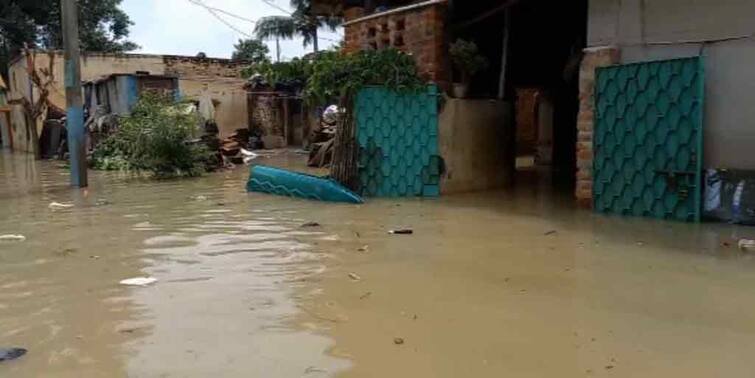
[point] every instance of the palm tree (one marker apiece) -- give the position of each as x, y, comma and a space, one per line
300, 23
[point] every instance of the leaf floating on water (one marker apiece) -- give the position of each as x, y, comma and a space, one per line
138, 281
12, 238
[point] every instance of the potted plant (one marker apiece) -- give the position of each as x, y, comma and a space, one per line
468, 61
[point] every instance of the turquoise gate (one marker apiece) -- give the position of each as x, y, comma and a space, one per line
648, 139
397, 134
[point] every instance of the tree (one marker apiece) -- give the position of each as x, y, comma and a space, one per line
300, 23
103, 26
253, 50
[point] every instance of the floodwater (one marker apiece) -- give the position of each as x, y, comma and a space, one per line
501, 284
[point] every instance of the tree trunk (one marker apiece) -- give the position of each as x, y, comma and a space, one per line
315, 41
278, 49
31, 131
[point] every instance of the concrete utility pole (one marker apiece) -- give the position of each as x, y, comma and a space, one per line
74, 102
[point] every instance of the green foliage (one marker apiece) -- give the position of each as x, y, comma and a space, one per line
154, 138
253, 50
336, 75
466, 58
331, 75
294, 73
103, 26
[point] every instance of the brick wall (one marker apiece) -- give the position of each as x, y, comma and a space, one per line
420, 32
186, 67
594, 57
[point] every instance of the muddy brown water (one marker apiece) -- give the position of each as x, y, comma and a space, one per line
501, 284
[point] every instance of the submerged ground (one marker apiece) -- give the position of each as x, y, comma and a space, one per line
514, 284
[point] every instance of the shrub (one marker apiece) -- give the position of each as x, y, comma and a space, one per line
466, 57
338, 75
155, 137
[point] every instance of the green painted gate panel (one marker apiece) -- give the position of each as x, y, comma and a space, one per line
648, 139
397, 135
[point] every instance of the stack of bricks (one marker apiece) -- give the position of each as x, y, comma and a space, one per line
419, 31
594, 57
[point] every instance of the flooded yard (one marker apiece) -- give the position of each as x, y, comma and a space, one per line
518, 284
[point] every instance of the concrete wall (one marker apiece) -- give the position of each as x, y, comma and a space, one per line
471, 139
231, 109
720, 30
219, 76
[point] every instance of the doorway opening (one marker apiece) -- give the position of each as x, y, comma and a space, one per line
545, 51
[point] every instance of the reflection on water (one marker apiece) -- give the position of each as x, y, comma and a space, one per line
227, 265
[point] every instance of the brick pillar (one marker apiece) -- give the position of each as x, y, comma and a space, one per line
594, 57
352, 33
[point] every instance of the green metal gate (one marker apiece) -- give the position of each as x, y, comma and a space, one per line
397, 134
648, 139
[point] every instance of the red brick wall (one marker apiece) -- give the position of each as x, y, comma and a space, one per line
594, 58
420, 32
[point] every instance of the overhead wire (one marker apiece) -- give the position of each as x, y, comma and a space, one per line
276, 6
214, 12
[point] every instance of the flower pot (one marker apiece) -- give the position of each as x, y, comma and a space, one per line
460, 90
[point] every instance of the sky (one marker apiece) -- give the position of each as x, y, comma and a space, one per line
178, 27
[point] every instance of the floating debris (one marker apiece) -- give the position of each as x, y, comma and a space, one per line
398, 341
313, 369
366, 295
310, 225
746, 245
551, 232
364, 248
355, 277
138, 281
403, 231
12, 238
59, 206
248, 156
7, 354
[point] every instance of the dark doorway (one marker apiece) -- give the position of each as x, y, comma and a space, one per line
545, 51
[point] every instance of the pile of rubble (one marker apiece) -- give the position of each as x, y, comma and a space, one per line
322, 138
235, 149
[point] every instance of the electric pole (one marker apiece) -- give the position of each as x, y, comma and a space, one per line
74, 102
